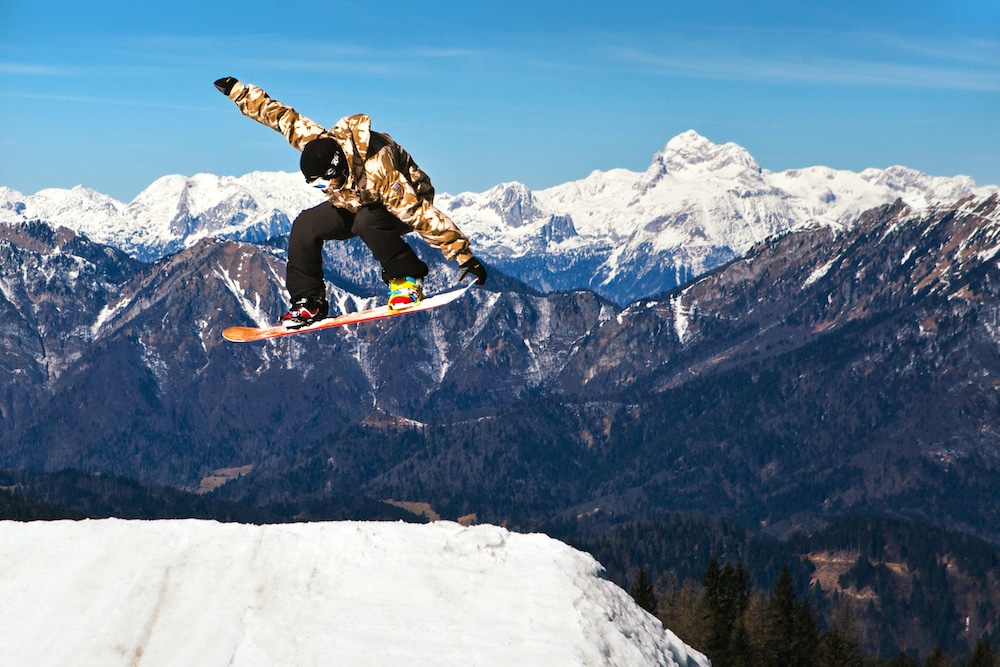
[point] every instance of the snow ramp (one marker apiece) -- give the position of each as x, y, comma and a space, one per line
188, 592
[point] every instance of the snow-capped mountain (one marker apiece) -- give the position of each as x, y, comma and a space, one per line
352, 593
627, 235
623, 234
173, 213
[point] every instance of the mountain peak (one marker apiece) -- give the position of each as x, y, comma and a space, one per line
513, 202
690, 155
691, 138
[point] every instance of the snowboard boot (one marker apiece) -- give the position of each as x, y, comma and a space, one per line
305, 311
405, 293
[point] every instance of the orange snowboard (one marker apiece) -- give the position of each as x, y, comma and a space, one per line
249, 334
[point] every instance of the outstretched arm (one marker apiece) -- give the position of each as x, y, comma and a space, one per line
254, 103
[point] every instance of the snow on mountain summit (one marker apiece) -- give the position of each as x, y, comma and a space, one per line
174, 212
624, 234
186, 592
689, 156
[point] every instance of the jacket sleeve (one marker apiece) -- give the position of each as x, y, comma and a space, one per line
400, 197
254, 103
436, 228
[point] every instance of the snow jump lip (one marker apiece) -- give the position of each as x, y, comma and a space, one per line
195, 592
250, 334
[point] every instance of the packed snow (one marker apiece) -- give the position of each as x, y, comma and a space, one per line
187, 592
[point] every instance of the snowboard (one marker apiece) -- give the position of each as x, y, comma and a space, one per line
250, 334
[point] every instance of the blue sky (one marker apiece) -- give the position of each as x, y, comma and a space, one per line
112, 95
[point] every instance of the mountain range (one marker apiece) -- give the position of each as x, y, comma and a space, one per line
624, 235
835, 353
116, 364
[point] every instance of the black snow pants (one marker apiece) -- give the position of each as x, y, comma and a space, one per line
380, 230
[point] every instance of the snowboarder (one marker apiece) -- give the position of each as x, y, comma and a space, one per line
376, 192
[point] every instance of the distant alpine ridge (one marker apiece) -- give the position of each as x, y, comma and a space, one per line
622, 234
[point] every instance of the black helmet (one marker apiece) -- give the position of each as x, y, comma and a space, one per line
323, 158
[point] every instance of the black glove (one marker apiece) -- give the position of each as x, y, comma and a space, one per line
475, 268
225, 85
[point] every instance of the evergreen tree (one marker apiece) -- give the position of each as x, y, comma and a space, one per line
717, 627
642, 593
839, 649
938, 659
778, 622
727, 596
839, 646
982, 655
741, 648
805, 635
902, 660
791, 632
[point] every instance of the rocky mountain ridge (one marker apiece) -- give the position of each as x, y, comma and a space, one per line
827, 371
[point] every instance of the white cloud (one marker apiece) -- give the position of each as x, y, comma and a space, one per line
818, 57
31, 70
